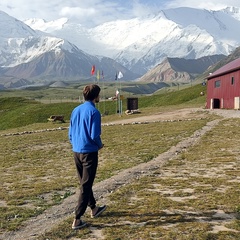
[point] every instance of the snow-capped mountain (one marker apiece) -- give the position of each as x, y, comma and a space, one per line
27, 54
13, 28
44, 26
141, 44
65, 50
233, 11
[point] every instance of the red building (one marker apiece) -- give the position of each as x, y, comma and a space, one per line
223, 87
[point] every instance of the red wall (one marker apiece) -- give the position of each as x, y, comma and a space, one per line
226, 92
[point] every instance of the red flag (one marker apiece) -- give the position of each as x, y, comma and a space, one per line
93, 70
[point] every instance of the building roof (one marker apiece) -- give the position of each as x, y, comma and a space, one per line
229, 67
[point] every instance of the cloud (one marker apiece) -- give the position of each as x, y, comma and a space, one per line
77, 12
210, 5
141, 8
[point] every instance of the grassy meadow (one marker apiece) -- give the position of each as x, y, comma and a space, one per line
182, 200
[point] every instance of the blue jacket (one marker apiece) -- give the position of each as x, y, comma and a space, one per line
85, 128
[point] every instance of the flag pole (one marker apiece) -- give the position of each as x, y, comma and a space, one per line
95, 78
104, 99
98, 83
119, 75
119, 95
120, 98
116, 93
104, 104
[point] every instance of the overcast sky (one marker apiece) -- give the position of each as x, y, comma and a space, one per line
93, 12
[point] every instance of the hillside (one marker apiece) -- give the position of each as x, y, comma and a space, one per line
17, 112
179, 69
234, 55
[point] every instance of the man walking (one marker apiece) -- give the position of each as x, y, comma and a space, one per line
85, 137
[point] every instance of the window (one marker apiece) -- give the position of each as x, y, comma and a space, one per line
217, 84
232, 80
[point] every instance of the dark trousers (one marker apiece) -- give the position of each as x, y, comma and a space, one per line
86, 164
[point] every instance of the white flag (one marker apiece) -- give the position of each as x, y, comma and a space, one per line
120, 75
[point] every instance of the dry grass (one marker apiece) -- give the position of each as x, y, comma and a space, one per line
193, 196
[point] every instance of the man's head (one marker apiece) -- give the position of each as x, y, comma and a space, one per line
91, 92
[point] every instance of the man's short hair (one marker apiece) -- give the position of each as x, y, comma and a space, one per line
90, 92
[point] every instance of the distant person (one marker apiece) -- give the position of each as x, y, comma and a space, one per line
84, 135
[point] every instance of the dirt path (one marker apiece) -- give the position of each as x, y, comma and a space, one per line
44, 222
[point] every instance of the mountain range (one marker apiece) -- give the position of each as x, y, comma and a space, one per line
29, 56
39, 51
140, 44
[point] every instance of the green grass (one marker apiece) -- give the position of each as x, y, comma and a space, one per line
19, 111
149, 208
37, 171
44, 158
189, 96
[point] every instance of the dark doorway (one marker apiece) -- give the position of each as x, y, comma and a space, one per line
216, 103
132, 103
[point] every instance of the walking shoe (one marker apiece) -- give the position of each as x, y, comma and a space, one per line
81, 224
99, 211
